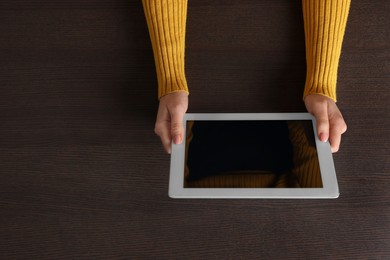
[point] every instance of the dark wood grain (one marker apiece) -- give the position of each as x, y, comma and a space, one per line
82, 175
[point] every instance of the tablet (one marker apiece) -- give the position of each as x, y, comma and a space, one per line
273, 155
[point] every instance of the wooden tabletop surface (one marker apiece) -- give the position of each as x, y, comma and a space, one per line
82, 175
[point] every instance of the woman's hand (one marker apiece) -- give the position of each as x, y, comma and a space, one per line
330, 122
169, 122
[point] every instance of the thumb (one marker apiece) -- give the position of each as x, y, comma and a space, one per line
177, 128
322, 118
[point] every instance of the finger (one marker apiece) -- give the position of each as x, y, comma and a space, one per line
163, 126
337, 128
177, 129
335, 140
321, 115
323, 128
162, 129
166, 140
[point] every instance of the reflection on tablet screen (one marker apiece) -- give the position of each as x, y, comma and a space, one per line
251, 154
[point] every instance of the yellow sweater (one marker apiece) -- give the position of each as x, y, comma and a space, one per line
324, 21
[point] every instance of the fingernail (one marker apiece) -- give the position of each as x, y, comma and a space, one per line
168, 149
323, 137
177, 139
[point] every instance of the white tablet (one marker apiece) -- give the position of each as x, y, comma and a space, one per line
276, 155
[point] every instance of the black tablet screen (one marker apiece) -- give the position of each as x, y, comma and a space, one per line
251, 153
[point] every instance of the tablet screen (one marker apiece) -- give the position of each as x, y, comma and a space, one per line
251, 154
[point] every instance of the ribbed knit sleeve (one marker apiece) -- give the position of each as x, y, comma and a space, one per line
325, 22
166, 21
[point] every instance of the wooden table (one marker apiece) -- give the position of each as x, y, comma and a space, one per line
82, 175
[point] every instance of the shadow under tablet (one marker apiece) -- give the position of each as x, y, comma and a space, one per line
251, 154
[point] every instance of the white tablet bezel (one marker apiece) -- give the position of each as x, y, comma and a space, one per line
328, 173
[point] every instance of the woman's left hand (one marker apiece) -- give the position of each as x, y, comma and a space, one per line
330, 122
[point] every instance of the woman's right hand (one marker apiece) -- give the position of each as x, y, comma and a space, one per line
330, 122
169, 122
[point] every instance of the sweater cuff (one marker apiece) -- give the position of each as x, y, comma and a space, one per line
170, 85
312, 87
